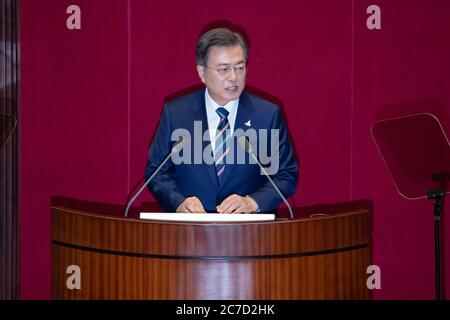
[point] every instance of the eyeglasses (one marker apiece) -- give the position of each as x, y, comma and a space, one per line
225, 70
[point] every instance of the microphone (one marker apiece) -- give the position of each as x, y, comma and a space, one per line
175, 148
243, 140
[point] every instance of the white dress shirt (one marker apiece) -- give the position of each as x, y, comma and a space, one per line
214, 118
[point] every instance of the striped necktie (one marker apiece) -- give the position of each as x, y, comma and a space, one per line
223, 135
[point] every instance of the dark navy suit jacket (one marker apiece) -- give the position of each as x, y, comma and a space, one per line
174, 183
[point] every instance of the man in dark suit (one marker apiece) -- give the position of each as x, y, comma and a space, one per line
218, 112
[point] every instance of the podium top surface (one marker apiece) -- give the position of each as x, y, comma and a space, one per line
206, 217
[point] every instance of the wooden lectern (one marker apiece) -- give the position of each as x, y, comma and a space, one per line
319, 255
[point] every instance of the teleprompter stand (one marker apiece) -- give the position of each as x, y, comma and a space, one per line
416, 152
438, 196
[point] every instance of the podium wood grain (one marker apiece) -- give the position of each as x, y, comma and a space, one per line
313, 258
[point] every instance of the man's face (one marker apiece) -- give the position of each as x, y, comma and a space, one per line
227, 87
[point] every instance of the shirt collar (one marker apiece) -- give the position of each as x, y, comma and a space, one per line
210, 103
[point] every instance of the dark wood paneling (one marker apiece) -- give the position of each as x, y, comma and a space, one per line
312, 258
9, 150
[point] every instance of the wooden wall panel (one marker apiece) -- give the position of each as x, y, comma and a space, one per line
9, 150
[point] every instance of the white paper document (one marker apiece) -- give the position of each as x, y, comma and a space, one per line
207, 217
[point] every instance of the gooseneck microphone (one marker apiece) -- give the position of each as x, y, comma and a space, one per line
175, 148
243, 140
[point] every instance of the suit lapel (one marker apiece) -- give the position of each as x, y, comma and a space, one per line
244, 114
199, 110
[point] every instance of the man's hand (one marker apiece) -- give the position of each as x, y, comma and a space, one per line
191, 204
237, 204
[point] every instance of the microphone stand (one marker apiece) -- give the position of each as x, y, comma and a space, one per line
175, 148
247, 146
